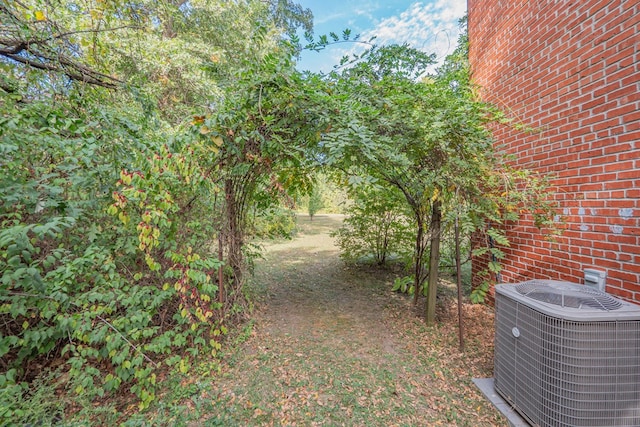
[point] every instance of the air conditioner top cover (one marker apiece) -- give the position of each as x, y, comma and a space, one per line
569, 301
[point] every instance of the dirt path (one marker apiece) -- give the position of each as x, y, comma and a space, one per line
332, 346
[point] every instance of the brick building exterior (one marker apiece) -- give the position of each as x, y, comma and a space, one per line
569, 69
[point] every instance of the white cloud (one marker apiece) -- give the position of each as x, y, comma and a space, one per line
331, 17
336, 11
432, 27
429, 25
452, 10
367, 10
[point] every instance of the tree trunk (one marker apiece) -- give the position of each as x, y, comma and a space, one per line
459, 283
434, 261
233, 233
418, 268
221, 294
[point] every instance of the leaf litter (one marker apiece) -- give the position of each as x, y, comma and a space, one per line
331, 345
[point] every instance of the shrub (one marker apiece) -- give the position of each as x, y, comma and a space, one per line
375, 228
104, 264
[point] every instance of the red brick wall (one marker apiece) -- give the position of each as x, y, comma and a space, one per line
570, 69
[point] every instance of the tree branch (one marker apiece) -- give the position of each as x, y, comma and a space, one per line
93, 30
135, 348
22, 45
81, 73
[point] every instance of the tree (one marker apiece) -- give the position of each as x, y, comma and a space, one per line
256, 143
400, 136
377, 226
315, 202
429, 139
112, 185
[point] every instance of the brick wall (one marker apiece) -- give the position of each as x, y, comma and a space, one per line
569, 69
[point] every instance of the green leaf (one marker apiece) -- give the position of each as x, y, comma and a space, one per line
494, 267
498, 237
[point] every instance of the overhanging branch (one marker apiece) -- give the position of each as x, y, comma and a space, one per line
23, 42
72, 70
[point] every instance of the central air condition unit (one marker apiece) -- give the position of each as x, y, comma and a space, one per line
567, 355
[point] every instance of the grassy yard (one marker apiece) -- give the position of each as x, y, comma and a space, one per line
331, 345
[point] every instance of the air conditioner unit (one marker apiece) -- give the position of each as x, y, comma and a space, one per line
567, 355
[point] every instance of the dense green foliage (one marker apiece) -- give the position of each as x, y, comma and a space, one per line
315, 202
426, 135
133, 137
377, 227
143, 144
333, 196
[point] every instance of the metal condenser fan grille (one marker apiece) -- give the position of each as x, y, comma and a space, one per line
568, 295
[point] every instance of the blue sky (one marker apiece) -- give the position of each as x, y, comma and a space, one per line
430, 25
